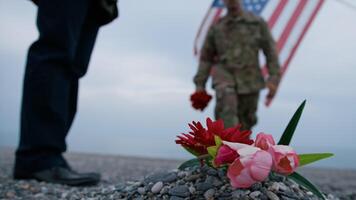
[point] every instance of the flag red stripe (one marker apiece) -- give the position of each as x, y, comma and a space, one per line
264, 71
294, 50
217, 15
298, 11
277, 12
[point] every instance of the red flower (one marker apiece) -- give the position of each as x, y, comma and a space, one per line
199, 139
216, 127
200, 100
235, 134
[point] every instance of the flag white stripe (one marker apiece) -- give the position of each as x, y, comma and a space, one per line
205, 28
298, 29
266, 15
269, 9
284, 18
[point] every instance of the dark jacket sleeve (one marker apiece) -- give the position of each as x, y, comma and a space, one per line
35, 1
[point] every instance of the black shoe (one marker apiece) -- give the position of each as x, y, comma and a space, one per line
61, 175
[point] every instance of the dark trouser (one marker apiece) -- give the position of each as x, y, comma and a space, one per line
234, 108
56, 61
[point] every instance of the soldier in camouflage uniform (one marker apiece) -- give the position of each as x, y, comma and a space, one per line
232, 47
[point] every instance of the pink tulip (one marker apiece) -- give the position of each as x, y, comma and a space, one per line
253, 165
264, 141
225, 155
285, 159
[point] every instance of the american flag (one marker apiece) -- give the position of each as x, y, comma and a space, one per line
289, 20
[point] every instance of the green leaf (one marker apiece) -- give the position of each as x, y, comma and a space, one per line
190, 163
292, 125
191, 151
210, 162
213, 150
218, 141
307, 184
305, 159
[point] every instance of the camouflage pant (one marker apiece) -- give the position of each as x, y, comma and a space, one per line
236, 108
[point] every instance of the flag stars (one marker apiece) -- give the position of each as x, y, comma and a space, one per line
255, 6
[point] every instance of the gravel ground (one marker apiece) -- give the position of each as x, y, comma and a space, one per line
117, 170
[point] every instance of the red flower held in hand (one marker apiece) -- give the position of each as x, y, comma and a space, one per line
200, 100
199, 139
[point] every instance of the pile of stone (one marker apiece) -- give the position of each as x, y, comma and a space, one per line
209, 183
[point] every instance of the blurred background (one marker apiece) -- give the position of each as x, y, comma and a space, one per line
135, 98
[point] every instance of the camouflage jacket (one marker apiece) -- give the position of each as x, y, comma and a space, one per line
232, 46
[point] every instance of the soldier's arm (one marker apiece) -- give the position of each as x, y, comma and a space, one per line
206, 61
268, 46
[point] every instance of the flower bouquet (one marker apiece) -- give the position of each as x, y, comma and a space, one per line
248, 161
200, 100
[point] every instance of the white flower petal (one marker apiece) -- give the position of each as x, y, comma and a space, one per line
247, 151
282, 148
235, 146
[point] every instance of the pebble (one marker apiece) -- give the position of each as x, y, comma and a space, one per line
282, 186
162, 176
164, 190
212, 172
157, 187
203, 186
209, 194
10, 194
180, 191
64, 195
129, 188
309, 193
192, 190
141, 190
272, 196
255, 194
192, 177
274, 187
256, 186
175, 198
214, 181
238, 193
286, 198
192, 183
182, 174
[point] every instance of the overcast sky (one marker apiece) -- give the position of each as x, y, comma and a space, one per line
134, 99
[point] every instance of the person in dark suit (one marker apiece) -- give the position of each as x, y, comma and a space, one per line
55, 63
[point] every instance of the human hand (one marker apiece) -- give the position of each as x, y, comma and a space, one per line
272, 90
199, 89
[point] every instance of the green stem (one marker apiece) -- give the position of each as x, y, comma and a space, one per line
203, 157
